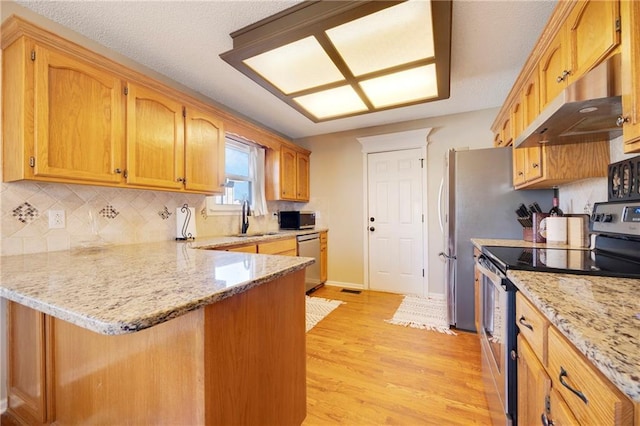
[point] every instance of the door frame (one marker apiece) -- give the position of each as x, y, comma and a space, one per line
388, 142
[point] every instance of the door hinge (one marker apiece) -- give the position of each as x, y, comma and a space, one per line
422, 163
126, 90
32, 161
184, 112
618, 24
33, 55
423, 272
423, 218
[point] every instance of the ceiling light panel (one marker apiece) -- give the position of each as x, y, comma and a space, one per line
394, 36
332, 103
402, 87
296, 66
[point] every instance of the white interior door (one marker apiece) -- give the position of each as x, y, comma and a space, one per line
395, 221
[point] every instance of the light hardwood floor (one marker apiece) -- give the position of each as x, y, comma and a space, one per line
364, 371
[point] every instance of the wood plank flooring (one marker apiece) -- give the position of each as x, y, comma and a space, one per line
364, 371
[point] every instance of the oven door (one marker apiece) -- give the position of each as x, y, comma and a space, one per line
497, 335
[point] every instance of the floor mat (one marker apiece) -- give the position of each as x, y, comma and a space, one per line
318, 308
421, 312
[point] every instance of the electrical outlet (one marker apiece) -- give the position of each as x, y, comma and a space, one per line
56, 219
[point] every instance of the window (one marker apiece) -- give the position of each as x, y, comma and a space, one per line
244, 172
239, 181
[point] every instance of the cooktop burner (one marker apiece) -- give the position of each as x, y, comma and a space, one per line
585, 262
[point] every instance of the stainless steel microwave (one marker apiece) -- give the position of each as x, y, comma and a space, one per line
297, 220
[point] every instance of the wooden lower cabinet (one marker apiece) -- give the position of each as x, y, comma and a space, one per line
286, 247
324, 256
237, 361
546, 385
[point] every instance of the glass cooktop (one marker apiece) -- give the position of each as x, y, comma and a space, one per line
586, 262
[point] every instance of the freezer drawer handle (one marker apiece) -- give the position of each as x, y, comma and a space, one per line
563, 374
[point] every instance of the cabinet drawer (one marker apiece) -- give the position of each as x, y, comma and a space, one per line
251, 248
605, 405
533, 326
277, 247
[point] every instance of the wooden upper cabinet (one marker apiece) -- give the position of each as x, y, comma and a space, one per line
302, 176
593, 32
554, 70
288, 175
77, 112
630, 23
204, 151
155, 139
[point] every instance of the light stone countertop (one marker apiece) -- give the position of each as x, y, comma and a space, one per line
600, 316
123, 289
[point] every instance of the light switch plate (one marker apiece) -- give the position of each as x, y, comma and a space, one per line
56, 219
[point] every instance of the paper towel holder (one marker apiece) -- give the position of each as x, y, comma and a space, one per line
184, 233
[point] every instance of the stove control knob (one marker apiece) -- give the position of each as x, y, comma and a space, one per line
597, 217
607, 217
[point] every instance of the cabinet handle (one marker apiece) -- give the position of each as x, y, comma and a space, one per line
534, 165
180, 179
521, 321
545, 420
621, 120
563, 374
520, 173
117, 171
563, 77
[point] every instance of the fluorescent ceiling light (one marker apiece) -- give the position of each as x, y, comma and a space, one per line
402, 87
333, 102
388, 38
296, 66
332, 59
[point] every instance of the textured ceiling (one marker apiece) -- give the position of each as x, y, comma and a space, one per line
182, 40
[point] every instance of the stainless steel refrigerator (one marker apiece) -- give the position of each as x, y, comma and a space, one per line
477, 201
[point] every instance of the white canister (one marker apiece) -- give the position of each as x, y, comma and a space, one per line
556, 230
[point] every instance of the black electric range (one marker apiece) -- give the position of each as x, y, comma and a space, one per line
616, 252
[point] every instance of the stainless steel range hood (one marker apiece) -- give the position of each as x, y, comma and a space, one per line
585, 111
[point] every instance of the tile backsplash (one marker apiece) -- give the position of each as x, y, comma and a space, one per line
97, 216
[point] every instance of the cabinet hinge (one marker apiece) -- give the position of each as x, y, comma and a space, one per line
184, 112
547, 404
33, 55
32, 161
126, 91
618, 24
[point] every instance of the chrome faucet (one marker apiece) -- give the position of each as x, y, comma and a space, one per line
246, 212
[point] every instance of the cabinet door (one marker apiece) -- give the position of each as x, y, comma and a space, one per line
533, 386
630, 17
78, 119
28, 356
323, 257
155, 139
592, 33
287, 173
553, 70
204, 152
519, 159
534, 163
302, 177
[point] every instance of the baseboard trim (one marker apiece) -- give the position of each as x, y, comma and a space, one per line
3, 405
345, 285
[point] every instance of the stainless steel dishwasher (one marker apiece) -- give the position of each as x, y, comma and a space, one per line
309, 246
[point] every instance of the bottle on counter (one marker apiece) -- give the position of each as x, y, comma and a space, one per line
555, 210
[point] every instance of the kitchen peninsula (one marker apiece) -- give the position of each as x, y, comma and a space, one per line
159, 333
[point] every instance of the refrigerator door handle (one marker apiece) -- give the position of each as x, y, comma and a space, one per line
440, 192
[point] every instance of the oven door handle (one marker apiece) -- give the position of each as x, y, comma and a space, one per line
482, 263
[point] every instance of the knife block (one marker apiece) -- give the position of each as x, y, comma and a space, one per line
527, 234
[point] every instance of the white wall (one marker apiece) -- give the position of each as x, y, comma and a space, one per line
336, 187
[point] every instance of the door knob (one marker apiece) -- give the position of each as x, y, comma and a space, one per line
372, 229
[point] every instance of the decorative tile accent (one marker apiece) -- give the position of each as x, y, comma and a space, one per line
109, 212
164, 214
26, 213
